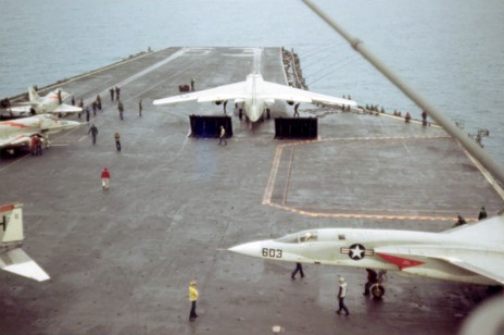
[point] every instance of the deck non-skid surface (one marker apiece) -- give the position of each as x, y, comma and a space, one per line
121, 260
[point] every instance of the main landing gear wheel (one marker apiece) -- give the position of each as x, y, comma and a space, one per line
378, 291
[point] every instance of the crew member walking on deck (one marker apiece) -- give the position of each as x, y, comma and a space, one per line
299, 268
341, 296
94, 106
222, 135
117, 139
111, 90
460, 221
424, 118
120, 108
192, 84
60, 98
34, 145
118, 93
482, 214
98, 103
93, 131
81, 105
193, 298
105, 179
140, 108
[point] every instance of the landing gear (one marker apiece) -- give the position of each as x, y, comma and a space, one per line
378, 291
374, 284
268, 113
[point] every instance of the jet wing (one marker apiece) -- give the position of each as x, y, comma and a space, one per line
486, 263
66, 108
18, 262
16, 141
20, 109
220, 93
282, 92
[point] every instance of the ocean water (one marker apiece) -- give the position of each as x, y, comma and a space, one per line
451, 51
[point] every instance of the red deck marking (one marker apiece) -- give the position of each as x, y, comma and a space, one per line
399, 261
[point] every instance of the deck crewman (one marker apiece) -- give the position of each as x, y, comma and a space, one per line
120, 108
299, 268
193, 298
482, 214
341, 296
93, 131
117, 139
222, 135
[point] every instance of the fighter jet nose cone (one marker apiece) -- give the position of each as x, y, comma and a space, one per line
249, 249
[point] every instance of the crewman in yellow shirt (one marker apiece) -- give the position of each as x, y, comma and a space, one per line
193, 298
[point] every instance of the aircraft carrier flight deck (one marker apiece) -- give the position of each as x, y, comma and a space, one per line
120, 261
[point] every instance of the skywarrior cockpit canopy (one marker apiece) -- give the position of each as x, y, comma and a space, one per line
302, 237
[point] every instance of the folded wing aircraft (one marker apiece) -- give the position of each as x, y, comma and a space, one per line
472, 253
254, 95
18, 133
51, 103
12, 257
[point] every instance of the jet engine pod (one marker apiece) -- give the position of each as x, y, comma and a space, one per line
218, 102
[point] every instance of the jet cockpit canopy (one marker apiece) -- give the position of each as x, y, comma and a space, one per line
302, 237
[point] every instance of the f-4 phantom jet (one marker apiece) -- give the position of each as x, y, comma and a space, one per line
12, 257
51, 103
472, 253
254, 95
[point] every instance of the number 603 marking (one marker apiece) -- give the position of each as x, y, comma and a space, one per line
272, 253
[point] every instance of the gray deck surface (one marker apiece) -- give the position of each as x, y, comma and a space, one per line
121, 261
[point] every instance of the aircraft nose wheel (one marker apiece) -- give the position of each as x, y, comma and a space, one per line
378, 291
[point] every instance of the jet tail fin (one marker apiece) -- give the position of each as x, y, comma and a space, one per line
11, 223
12, 257
33, 96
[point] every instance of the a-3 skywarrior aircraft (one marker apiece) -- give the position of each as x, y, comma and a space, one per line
18, 133
472, 253
255, 95
41, 105
12, 257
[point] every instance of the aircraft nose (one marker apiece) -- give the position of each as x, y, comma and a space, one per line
254, 115
253, 249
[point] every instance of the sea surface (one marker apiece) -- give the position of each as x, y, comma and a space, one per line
451, 51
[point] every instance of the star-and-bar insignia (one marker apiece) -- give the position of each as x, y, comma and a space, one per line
357, 251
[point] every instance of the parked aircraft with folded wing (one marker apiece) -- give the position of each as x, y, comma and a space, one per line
18, 133
12, 257
254, 95
51, 103
472, 253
